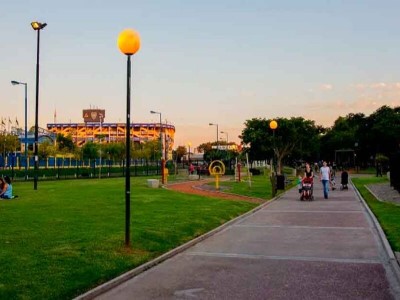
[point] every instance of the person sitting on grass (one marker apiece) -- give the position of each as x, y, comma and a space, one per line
6, 190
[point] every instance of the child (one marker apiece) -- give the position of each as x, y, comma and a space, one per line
299, 184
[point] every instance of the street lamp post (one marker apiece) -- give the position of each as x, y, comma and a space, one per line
37, 27
189, 145
273, 125
129, 44
214, 124
161, 148
13, 82
100, 140
227, 137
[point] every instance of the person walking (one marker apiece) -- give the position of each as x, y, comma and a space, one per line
325, 175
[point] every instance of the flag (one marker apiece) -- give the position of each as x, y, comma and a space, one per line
16, 121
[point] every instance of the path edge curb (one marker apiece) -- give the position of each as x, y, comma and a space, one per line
392, 260
101, 289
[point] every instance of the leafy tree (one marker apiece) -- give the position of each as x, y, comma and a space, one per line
90, 150
9, 143
65, 143
46, 149
295, 137
115, 151
180, 152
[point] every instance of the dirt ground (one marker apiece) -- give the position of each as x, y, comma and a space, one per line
196, 187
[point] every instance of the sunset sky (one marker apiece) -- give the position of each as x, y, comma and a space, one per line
202, 62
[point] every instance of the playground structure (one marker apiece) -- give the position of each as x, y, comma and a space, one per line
217, 169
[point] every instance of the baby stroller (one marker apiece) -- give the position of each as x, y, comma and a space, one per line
307, 189
344, 181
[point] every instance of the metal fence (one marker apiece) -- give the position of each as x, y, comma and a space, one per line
54, 168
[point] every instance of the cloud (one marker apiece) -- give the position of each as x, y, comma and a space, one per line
326, 87
376, 86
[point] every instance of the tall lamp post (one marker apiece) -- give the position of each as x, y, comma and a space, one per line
128, 44
161, 148
37, 27
224, 132
273, 125
214, 124
189, 145
13, 82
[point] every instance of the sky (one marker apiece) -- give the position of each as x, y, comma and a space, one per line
201, 62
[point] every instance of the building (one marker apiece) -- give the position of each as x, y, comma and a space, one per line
93, 129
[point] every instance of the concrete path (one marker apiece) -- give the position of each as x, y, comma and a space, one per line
325, 249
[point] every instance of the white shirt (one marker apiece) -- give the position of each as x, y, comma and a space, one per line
324, 173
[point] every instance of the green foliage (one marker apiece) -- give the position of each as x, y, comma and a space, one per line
380, 158
367, 136
388, 214
294, 137
46, 149
68, 236
65, 143
90, 150
9, 143
179, 153
114, 151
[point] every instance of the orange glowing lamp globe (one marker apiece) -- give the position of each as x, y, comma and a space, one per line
273, 125
129, 42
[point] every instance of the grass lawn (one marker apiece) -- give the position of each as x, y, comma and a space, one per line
260, 186
387, 214
68, 236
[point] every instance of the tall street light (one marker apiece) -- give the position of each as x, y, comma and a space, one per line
214, 124
273, 125
161, 148
37, 27
224, 132
189, 145
128, 44
13, 82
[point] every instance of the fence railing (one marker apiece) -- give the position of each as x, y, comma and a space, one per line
69, 168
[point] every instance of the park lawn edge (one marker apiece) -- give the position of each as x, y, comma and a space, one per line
387, 214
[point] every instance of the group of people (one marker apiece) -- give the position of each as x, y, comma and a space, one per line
6, 188
327, 177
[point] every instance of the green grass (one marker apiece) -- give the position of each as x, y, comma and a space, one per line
68, 236
260, 186
388, 214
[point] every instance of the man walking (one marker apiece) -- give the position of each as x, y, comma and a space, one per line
325, 177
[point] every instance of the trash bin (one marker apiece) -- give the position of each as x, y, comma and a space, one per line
280, 182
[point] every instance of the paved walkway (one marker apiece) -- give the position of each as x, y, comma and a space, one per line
325, 249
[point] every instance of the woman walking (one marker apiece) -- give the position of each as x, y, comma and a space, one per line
325, 175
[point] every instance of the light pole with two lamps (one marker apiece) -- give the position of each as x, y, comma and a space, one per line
224, 132
37, 27
161, 148
128, 44
13, 82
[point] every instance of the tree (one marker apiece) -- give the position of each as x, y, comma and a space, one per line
65, 143
115, 151
90, 150
46, 149
180, 152
8, 143
295, 137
